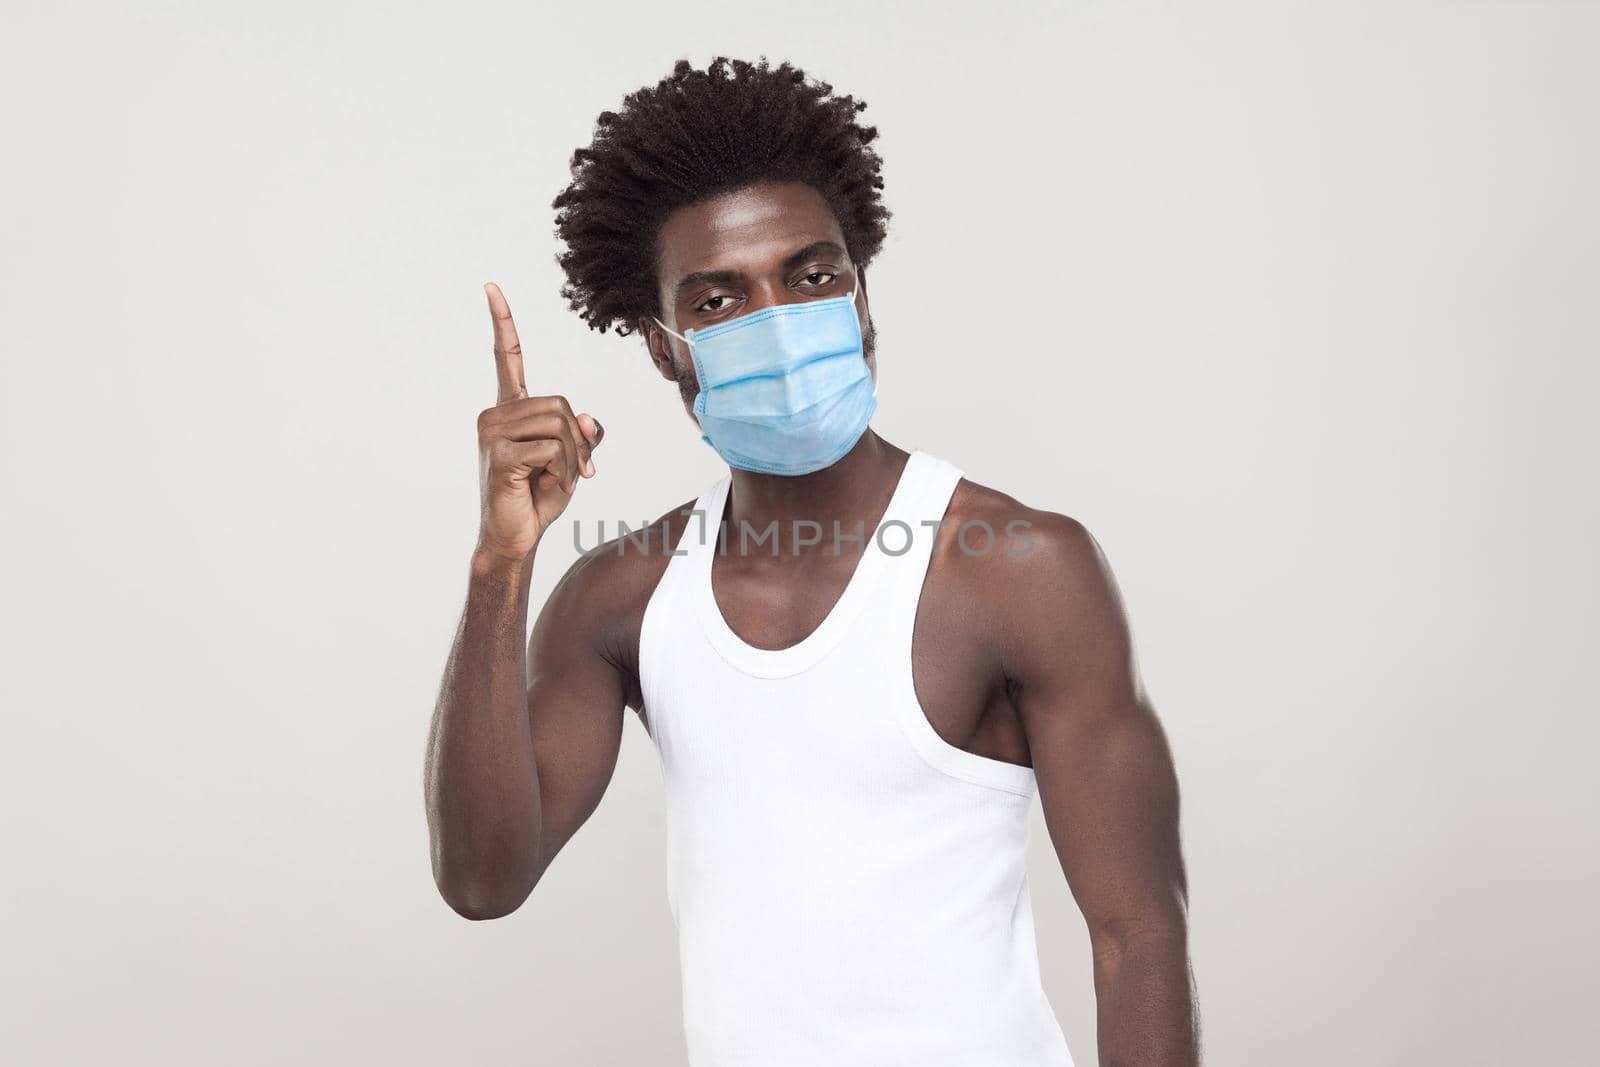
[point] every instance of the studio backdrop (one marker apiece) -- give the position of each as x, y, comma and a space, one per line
1292, 305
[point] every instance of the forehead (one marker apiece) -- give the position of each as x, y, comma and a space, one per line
748, 230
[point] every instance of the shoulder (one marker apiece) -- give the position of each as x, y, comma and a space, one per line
996, 539
1039, 580
605, 590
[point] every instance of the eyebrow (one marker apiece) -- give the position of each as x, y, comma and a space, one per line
811, 251
729, 277
706, 277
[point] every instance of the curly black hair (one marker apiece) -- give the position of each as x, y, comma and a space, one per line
693, 135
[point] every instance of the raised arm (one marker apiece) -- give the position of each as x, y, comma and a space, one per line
524, 737
1109, 793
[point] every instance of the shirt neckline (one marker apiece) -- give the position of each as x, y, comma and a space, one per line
809, 650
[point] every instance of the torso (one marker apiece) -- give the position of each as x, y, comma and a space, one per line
833, 731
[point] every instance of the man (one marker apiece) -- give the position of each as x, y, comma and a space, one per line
858, 667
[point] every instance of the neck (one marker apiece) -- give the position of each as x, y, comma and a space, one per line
856, 488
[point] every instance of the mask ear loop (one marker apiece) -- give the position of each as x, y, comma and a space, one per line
852, 298
670, 330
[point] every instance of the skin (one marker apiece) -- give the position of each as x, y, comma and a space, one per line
1019, 657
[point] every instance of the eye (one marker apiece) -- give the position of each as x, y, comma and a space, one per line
713, 304
818, 278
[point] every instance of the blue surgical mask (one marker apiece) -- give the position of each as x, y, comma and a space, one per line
784, 390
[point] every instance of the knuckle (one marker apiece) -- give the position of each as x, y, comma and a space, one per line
534, 455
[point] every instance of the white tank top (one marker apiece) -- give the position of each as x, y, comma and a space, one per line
849, 888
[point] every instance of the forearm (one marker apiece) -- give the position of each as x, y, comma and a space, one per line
482, 783
1144, 988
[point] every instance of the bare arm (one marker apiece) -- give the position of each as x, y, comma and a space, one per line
1109, 793
523, 741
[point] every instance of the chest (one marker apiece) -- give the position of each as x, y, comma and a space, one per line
775, 603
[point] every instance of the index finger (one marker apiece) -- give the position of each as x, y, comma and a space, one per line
507, 349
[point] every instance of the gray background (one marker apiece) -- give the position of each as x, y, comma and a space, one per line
1293, 305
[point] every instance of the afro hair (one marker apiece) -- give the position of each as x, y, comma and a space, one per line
694, 135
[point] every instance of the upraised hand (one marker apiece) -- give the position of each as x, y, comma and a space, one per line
531, 451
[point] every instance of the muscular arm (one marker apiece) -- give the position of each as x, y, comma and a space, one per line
523, 741
1108, 789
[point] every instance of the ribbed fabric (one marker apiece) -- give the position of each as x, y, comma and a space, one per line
850, 889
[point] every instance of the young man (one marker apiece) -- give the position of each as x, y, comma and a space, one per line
858, 667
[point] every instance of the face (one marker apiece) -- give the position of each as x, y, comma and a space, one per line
740, 252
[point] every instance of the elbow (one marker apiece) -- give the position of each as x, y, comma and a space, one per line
1159, 930
479, 897
482, 876
481, 912
479, 902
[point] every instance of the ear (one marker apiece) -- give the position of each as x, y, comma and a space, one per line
861, 287
656, 342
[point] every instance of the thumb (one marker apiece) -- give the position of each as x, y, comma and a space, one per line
593, 433
591, 428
